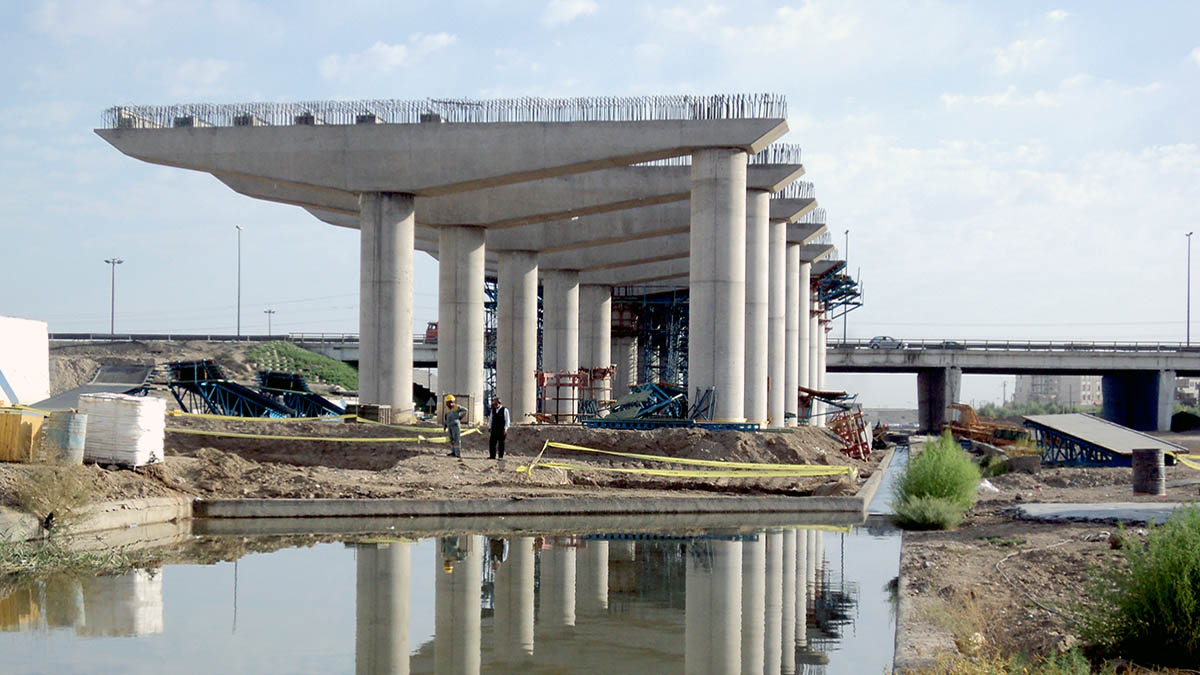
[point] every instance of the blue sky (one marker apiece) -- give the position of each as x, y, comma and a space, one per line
1017, 169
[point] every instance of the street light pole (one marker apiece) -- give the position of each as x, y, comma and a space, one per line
239, 280
1189, 289
112, 307
268, 312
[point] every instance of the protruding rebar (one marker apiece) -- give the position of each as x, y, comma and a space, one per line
583, 109
777, 153
800, 189
814, 217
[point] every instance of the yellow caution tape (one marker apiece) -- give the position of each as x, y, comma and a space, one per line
208, 416
323, 439
683, 473
810, 469
1189, 463
26, 410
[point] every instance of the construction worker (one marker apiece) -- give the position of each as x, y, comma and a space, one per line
452, 422
499, 429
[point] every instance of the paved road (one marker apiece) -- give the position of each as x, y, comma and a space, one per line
109, 379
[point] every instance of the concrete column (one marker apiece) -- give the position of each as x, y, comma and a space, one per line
385, 290
804, 296
717, 280
813, 563
937, 388
592, 577
822, 353
814, 326
513, 623
713, 608
758, 208
625, 355
595, 338
1142, 400
381, 608
777, 312
801, 588
560, 337
793, 374
754, 585
516, 332
773, 604
557, 610
787, 640
460, 314
456, 609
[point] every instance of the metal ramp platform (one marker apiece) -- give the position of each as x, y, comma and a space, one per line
109, 379
291, 390
1079, 439
201, 386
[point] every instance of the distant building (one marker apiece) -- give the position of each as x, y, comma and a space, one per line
1080, 391
1187, 390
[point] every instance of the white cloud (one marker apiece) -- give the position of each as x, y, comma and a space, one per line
1195, 56
198, 77
1057, 15
565, 11
1021, 54
381, 57
1007, 98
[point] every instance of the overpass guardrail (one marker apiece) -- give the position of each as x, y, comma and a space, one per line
1022, 345
299, 338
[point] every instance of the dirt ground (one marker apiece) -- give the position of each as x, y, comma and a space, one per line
1010, 581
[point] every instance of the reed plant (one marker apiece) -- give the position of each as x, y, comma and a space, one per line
937, 487
1148, 609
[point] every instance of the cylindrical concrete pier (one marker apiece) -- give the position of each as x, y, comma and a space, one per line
460, 315
777, 312
717, 280
556, 612
514, 605
804, 297
773, 630
801, 588
381, 608
795, 322
625, 355
822, 353
758, 208
516, 332
456, 607
560, 338
787, 663
814, 342
754, 585
592, 578
713, 608
595, 339
386, 227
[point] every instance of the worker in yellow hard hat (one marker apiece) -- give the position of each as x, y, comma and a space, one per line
452, 422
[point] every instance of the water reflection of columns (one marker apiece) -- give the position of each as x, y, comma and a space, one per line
558, 587
787, 663
801, 588
754, 583
512, 621
381, 608
773, 630
593, 578
713, 612
456, 605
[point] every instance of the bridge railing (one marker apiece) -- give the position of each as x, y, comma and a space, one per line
299, 338
1024, 345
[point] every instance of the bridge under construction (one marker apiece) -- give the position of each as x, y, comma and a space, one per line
686, 205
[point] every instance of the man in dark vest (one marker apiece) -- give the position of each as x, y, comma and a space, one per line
499, 427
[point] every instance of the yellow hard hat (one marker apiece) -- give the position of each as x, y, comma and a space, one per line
449, 398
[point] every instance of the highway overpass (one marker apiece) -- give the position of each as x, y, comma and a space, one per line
1138, 378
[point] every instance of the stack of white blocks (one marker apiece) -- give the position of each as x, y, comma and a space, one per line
123, 429
123, 605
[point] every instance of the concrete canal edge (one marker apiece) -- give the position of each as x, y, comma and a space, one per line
129, 514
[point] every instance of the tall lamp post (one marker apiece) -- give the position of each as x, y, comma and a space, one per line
846, 309
112, 297
1189, 289
239, 280
268, 312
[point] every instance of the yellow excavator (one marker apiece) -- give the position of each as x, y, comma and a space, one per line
964, 424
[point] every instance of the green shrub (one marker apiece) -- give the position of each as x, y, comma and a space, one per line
927, 513
942, 470
287, 357
1148, 610
993, 465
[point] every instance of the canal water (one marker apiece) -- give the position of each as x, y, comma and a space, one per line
778, 599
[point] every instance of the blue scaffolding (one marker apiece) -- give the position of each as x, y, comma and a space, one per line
201, 386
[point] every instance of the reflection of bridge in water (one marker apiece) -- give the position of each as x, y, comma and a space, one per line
740, 603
